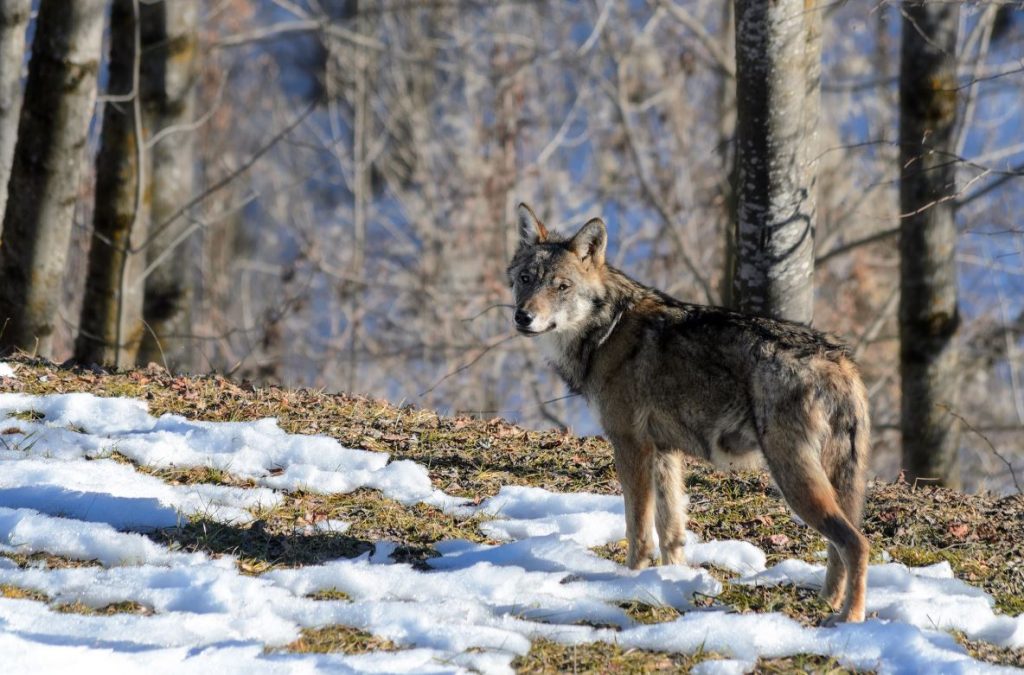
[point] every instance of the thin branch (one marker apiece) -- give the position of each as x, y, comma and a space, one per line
621, 108
226, 180
1015, 172
857, 243
506, 411
195, 124
546, 412
972, 428
984, 28
487, 309
266, 33
721, 57
470, 363
595, 34
873, 329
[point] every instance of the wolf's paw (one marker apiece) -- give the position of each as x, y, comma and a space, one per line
673, 557
641, 563
843, 617
833, 598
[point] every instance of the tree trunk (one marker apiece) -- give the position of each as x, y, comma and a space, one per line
778, 66
111, 321
59, 97
169, 77
13, 22
929, 316
726, 100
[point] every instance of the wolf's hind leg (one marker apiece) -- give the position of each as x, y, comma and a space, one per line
793, 460
845, 464
633, 465
670, 496
833, 591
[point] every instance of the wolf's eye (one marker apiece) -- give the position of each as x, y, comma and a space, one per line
524, 278
564, 285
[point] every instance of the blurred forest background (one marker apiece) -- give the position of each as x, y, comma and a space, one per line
324, 193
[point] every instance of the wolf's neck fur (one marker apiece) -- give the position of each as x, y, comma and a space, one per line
572, 353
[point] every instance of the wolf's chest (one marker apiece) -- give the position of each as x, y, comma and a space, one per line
550, 347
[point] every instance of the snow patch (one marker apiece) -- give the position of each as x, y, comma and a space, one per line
474, 607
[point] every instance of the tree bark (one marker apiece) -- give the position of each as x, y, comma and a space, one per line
59, 97
169, 29
929, 314
778, 66
726, 100
110, 326
13, 22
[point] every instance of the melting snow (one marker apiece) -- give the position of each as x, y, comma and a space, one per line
478, 606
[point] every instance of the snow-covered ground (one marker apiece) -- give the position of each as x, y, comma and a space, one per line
477, 608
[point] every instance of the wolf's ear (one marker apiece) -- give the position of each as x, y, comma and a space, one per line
531, 230
590, 242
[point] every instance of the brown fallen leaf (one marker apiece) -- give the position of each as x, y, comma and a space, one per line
959, 530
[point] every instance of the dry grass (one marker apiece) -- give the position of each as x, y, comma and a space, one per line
342, 639
800, 604
19, 593
546, 656
804, 663
984, 651
329, 594
124, 607
77, 607
45, 560
981, 536
641, 612
282, 536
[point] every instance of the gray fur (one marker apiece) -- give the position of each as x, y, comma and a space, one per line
668, 377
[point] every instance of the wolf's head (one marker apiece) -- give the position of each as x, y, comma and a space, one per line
557, 282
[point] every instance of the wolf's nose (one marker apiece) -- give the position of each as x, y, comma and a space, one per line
523, 318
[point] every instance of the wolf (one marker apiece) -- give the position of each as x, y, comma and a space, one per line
668, 378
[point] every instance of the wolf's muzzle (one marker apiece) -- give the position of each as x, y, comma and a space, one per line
523, 319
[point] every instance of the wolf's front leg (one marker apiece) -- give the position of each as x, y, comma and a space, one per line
633, 464
671, 500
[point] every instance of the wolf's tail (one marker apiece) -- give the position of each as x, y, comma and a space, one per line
846, 453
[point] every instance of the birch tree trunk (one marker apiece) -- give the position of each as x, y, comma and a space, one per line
169, 73
778, 66
929, 315
13, 22
110, 326
59, 97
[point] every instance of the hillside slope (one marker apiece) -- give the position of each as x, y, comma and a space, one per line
303, 524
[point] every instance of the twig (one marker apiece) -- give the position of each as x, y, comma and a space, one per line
503, 411
721, 57
159, 346
487, 309
971, 427
545, 411
223, 182
195, 124
662, 210
469, 364
871, 332
1014, 172
856, 243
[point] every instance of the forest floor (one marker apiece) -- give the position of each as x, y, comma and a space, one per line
981, 537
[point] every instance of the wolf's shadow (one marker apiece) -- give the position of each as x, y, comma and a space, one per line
259, 546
